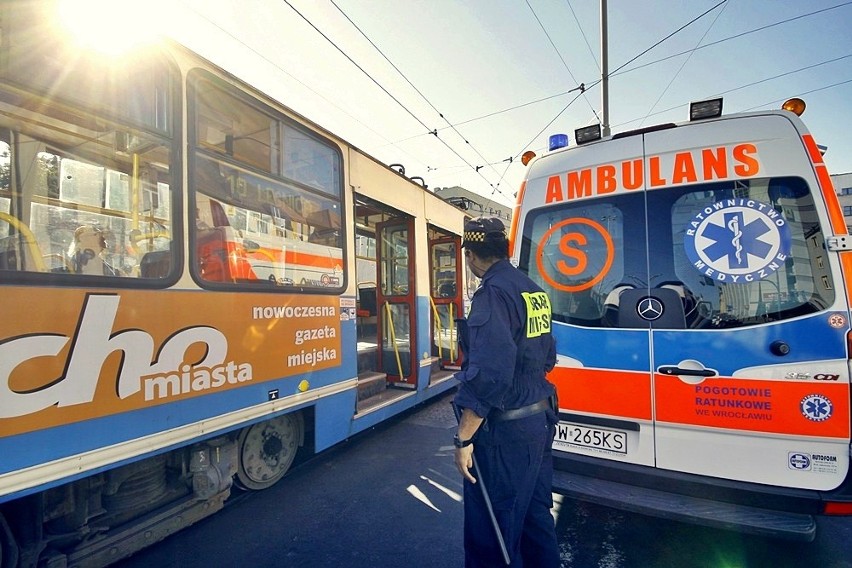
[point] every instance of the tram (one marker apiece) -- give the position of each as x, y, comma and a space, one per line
197, 282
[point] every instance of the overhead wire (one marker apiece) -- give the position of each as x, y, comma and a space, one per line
654, 62
677, 31
429, 131
753, 83
717, 42
588, 86
559, 54
583, 33
278, 67
583, 89
440, 114
682, 65
355, 63
618, 71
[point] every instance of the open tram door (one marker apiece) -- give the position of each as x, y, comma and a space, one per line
395, 297
445, 297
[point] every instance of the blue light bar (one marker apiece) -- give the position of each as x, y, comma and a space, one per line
557, 141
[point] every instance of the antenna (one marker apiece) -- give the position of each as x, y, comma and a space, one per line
604, 72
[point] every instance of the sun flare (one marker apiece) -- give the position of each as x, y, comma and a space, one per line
111, 27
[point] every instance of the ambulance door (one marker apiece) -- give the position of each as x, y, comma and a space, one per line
583, 241
395, 301
750, 372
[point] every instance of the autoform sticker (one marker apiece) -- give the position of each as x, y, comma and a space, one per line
737, 240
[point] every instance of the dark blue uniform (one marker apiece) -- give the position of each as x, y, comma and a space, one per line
508, 349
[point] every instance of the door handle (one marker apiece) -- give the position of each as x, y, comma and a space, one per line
669, 370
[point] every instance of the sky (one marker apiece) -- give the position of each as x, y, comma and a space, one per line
457, 90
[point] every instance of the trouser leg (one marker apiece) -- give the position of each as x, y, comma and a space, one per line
518, 478
539, 546
481, 547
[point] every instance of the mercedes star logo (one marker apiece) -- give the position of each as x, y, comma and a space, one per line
649, 308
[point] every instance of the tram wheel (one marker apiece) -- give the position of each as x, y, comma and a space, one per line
267, 450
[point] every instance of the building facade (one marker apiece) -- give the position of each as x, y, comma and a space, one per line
476, 205
843, 186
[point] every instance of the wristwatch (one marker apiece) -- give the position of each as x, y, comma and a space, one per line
459, 443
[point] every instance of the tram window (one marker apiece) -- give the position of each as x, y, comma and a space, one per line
310, 162
444, 270
226, 125
85, 158
395, 259
255, 230
134, 89
76, 216
267, 195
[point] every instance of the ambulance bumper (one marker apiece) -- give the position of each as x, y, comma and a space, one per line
686, 508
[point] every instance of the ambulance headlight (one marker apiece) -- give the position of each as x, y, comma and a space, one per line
705, 109
587, 134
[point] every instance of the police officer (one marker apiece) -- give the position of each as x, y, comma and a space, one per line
507, 420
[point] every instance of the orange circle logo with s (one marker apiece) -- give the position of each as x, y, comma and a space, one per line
574, 261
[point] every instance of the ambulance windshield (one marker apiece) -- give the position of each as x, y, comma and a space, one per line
734, 253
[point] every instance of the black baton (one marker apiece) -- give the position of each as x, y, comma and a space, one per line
481, 483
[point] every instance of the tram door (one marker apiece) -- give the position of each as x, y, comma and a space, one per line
395, 301
445, 296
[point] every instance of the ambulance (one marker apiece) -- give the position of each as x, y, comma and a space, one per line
699, 279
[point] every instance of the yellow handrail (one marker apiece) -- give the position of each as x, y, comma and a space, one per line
35, 252
438, 327
452, 334
393, 338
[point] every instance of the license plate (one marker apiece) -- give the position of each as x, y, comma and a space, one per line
570, 435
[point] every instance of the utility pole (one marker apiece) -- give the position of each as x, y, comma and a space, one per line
604, 72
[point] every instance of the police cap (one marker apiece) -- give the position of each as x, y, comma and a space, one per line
483, 229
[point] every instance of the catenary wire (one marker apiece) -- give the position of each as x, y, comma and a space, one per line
685, 61
559, 54
495, 187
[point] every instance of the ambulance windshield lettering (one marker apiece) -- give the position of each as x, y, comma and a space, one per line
681, 168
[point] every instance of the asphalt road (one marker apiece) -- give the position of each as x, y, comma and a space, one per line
391, 497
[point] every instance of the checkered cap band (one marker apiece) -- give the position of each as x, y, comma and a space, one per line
474, 236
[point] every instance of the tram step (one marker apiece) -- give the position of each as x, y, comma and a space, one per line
370, 384
439, 376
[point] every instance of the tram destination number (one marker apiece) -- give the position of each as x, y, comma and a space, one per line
570, 435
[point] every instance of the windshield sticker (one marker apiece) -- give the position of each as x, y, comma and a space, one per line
573, 249
737, 240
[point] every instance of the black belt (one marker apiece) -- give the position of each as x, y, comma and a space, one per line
522, 412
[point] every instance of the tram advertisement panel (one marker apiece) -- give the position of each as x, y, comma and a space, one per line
101, 353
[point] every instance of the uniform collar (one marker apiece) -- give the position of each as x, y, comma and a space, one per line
497, 267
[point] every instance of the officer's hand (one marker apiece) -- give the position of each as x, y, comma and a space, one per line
464, 461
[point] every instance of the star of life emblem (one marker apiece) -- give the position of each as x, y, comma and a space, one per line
737, 240
816, 407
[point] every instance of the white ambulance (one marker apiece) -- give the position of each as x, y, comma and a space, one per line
698, 274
